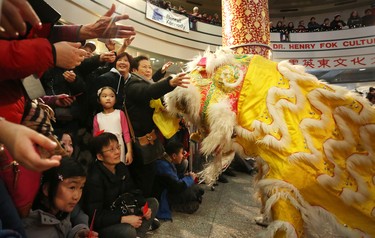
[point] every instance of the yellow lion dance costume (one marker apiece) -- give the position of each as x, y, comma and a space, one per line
315, 142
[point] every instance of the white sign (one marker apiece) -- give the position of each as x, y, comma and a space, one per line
167, 18
344, 49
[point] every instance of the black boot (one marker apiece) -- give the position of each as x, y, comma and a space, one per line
222, 179
155, 224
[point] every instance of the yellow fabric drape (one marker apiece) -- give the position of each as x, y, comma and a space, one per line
290, 117
167, 124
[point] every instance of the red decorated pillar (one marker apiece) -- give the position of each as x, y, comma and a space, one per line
246, 26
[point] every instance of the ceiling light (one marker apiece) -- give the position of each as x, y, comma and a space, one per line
362, 69
152, 58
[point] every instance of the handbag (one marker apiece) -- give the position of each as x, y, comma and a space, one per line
147, 148
67, 113
22, 184
63, 114
129, 203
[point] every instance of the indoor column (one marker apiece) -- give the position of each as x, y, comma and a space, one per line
246, 26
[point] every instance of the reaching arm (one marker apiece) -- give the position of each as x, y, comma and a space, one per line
20, 141
106, 27
20, 58
127, 42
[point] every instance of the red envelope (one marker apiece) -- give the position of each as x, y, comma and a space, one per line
145, 208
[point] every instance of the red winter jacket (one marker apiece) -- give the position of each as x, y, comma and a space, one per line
21, 58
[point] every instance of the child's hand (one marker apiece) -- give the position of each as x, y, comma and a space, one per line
128, 158
193, 175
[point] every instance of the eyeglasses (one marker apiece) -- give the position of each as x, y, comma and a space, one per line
112, 150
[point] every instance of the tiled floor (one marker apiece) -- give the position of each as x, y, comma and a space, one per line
228, 211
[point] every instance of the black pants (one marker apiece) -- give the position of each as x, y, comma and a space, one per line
143, 175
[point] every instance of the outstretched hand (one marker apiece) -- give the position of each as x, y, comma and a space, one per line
180, 79
68, 54
128, 41
110, 44
166, 66
109, 57
106, 27
20, 142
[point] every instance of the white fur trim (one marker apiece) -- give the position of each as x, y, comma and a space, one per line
221, 121
278, 225
317, 221
185, 101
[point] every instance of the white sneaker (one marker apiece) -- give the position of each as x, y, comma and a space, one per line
261, 221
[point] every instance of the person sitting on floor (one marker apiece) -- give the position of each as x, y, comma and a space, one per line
108, 182
174, 193
55, 212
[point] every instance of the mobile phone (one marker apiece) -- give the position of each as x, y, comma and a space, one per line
78, 94
45, 12
71, 96
47, 15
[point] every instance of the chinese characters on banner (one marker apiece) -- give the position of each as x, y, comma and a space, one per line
336, 62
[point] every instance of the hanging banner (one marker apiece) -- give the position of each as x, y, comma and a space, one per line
344, 49
326, 45
167, 18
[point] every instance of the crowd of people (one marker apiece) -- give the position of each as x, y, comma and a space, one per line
194, 16
354, 21
71, 160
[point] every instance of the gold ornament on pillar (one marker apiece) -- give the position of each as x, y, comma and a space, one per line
246, 26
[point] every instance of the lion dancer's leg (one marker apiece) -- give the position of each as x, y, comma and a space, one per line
281, 211
288, 221
221, 121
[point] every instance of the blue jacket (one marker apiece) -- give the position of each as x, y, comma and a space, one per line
168, 181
